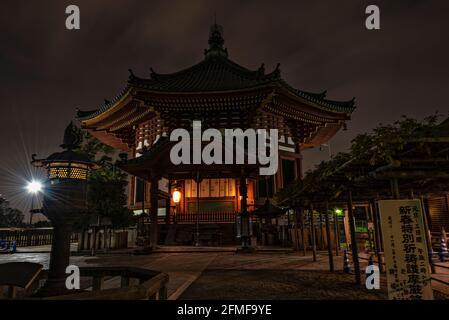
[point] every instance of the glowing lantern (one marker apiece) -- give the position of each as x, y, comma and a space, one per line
176, 196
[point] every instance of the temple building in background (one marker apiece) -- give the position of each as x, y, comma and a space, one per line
221, 94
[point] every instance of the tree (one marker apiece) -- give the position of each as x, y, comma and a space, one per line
385, 142
9, 217
386, 145
107, 184
107, 197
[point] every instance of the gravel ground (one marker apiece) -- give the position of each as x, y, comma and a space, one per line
287, 276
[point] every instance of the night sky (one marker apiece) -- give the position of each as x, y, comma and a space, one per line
47, 71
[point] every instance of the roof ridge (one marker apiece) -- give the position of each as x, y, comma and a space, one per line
209, 65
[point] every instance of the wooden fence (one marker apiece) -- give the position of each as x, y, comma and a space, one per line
30, 237
436, 240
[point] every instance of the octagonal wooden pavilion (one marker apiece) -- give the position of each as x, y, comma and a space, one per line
222, 94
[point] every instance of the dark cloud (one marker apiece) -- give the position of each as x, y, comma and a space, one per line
47, 71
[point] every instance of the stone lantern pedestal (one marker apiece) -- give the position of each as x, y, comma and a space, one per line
64, 203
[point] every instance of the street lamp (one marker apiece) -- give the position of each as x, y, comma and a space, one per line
33, 187
337, 213
176, 200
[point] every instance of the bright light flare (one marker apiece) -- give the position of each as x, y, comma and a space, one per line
34, 186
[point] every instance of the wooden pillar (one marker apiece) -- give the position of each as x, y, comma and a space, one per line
428, 235
198, 180
377, 236
246, 243
81, 240
336, 234
107, 238
368, 219
312, 227
355, 252
167, 211
94, 241
299, 171
303, 238
167, 204
328, 237
395, 188
141, 222
322, 245
296, 230
154, 189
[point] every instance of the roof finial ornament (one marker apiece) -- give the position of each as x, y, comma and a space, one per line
261, 71
131, 74
153, 74
72, 138
277, 72
216, 41
352, 102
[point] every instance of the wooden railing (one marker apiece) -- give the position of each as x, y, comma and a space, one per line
151, 285
205, 217
30, 237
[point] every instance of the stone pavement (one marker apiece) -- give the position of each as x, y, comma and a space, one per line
220, 273
160, 249
182, 268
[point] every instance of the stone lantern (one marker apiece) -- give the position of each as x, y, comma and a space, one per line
64, 202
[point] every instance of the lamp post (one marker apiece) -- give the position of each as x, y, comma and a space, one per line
33, 187
176, 200
64, 203
244, 217
337, 213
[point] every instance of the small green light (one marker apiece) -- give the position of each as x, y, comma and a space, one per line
339, 212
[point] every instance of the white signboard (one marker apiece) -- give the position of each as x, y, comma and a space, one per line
163, 185
406, 257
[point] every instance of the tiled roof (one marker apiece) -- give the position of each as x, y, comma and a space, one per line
214, 73
217, 73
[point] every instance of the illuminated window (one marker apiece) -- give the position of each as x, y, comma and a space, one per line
61, 170
210, 188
